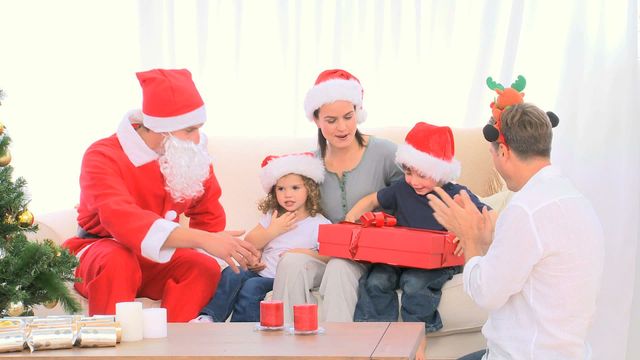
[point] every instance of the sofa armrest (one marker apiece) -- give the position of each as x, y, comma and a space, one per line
498, 200
57, 226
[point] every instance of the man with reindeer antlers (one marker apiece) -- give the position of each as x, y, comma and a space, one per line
538, 268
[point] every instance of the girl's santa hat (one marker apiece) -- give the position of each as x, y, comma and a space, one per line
274, 167
170, 100
430, 149
331, 86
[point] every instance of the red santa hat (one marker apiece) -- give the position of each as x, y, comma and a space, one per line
274, 167
170, 100
331, 86
430, 149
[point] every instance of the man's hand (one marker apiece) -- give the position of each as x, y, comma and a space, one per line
282, 224
228, 247
460, 216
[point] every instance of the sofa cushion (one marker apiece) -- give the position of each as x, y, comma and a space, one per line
57, 226
458, 312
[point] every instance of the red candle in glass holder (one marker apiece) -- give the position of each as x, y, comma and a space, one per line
305, 317
271, 313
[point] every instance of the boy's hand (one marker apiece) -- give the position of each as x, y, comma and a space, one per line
458, 250
282, 224
351, 217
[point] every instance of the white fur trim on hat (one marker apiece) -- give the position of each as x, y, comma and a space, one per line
134, 116
309, 166
438, 169
331, 91
174, 123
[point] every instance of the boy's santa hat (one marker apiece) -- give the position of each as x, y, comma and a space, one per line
331, 86
430, 149
274, 167
170, 100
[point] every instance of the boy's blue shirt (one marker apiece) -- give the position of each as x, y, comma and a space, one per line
413, 210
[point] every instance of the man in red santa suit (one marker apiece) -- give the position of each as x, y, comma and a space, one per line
134, 185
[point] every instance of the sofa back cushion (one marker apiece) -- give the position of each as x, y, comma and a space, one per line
236, 162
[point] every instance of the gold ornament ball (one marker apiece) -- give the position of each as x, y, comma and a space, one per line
15, 308
25, 219
1, 128
9, 219
53, 246
51, 304
5, 159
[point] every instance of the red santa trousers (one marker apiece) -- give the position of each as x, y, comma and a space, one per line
112, 273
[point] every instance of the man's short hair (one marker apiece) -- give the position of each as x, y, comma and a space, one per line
527, 131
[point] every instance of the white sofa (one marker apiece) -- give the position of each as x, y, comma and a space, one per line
237, 163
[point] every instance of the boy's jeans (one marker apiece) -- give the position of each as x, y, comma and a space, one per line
421, 292
240, 293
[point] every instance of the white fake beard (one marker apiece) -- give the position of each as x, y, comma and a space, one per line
185, 167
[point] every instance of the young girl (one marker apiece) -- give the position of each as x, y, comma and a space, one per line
290, 224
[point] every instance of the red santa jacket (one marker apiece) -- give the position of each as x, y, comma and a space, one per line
123, 197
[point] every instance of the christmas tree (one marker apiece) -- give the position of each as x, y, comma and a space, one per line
31, 272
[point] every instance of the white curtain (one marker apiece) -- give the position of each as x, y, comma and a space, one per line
68, 68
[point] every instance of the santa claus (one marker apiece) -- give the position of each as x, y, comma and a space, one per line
134, 186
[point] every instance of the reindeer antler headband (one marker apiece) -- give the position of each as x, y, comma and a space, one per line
506, 98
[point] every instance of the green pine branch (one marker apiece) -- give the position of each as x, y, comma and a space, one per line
31, 272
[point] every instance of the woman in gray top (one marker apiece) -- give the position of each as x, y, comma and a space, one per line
356, 165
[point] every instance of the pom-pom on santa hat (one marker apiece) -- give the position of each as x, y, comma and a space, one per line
430, 149
170, 100
331, 86
274, 167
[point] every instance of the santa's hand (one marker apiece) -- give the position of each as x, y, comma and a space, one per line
228, 247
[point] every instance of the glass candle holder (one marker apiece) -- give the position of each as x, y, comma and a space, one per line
271, 314
305, 317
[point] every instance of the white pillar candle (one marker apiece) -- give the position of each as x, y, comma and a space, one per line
155, 322
129, 314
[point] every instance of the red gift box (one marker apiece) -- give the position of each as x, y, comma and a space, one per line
377, 240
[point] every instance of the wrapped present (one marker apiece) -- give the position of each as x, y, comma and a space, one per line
376, 239
58, 332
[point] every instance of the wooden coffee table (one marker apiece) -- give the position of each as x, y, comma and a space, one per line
383, 340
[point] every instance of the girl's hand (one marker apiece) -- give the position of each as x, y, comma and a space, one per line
282, 224
257, 267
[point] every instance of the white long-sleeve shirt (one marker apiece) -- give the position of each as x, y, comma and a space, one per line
540, 277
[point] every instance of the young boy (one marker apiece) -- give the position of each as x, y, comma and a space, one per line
427, 161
